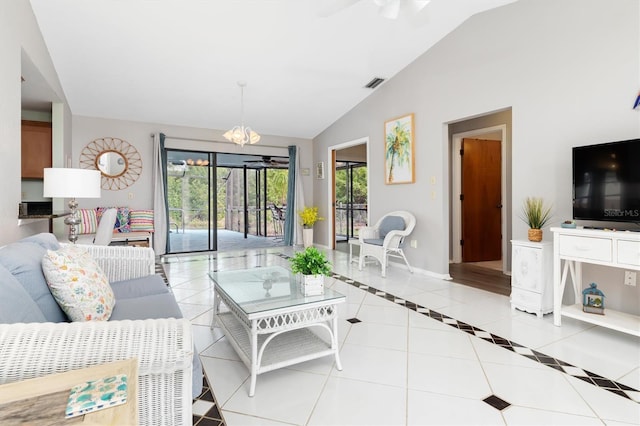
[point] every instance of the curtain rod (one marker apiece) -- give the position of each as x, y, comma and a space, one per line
179, 138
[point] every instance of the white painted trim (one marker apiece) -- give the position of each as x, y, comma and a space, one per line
456, 185
330, 183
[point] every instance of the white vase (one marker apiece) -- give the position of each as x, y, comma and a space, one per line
307, 237
311, 285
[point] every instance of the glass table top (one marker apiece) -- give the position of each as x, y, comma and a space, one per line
267, 288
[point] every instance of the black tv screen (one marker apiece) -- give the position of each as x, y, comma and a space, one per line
606, 182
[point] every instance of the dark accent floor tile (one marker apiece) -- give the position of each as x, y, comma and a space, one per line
354, 320
496, 402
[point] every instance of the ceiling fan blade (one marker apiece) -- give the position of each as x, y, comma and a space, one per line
331, 7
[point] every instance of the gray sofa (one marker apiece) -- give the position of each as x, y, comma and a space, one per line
146, 323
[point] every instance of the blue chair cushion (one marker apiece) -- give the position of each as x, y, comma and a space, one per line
374, 241
390, 223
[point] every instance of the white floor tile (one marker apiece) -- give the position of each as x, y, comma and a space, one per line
378, 335
545, 389
427, 408
515, 415
607, 406
225, 377
449, 376
388, 315
369, 364
281, 395
237, 419
442, 343
343, 402
621, 351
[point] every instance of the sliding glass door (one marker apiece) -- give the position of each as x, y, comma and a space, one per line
223, 202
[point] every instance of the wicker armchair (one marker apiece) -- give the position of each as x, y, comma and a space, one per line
386, 238
163, 347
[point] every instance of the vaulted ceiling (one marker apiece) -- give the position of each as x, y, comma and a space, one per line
178, 62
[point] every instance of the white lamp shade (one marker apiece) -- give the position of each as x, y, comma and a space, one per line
71, 183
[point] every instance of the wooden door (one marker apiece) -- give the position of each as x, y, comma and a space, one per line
481, 200
36, 148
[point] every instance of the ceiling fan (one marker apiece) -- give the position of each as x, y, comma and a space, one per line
390, 9
267, 161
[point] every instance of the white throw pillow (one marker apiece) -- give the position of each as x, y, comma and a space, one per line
78, 284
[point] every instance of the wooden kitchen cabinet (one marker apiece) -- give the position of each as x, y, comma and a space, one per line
36, 148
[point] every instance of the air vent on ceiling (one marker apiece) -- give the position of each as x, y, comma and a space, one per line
375, 82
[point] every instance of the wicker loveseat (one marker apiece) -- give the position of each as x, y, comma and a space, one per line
146, 324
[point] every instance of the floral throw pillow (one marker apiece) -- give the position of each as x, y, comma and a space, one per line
122, 218
78, 284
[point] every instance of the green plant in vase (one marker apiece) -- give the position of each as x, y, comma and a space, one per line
310, 261
536, 214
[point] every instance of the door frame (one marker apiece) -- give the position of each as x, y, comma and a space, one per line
456, 185
331, 190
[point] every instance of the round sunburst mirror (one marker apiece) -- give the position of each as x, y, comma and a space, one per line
118, 161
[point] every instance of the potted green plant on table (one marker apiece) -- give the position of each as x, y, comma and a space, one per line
308, 216
536, 214
311, 265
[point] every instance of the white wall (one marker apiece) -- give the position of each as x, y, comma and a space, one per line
19, 33
570, 71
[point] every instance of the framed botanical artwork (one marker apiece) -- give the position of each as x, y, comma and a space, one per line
399, 150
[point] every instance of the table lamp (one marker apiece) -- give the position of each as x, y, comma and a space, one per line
72, 183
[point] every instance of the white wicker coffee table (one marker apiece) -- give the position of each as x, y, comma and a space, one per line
269, 323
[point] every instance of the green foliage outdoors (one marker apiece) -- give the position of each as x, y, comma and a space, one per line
188, 195
311, 261
359, 185
535, 213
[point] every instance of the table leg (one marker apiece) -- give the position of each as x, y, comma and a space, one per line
334, 342
254, 357
216, 308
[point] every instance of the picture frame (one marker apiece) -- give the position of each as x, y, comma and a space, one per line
399, 150
320, 170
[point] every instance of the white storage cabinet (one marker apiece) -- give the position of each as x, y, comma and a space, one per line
532, 276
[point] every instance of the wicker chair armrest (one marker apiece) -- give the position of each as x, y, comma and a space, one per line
163, 348
367, 232
393, 239
123, 262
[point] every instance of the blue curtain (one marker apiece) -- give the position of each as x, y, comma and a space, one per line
163, 165
290, 217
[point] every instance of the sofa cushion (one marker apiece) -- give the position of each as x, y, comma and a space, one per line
390, 223
139, 287
146, 307
78, 284
141, 220
15, 303
45, 239
24, 260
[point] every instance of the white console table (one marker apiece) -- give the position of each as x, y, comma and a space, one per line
619, 249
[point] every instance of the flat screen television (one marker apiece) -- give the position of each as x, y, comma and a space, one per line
606, 182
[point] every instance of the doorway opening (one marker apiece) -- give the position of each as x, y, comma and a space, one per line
480, 203
348, 191
222, 202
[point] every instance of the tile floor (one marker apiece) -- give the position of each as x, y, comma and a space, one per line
418, 350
